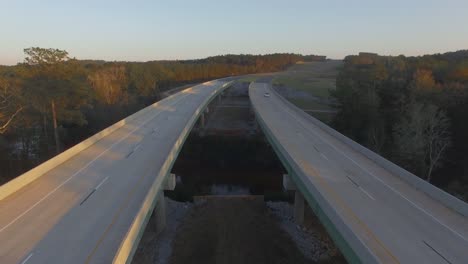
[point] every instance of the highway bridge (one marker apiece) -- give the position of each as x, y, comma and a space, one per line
91, 203
375, 211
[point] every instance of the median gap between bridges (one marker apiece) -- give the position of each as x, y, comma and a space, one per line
227, 162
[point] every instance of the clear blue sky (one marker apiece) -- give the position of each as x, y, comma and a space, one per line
142, 30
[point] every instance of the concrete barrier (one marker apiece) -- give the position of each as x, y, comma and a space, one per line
418, 183
33, 174
132, 238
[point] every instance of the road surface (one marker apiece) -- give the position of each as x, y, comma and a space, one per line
395, 222
80, 211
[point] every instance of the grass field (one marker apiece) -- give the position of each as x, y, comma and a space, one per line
319, 87
248, 79
308, 86
307, 104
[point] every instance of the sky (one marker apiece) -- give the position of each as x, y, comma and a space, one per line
142, 30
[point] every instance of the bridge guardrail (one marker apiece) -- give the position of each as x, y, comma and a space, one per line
432, 191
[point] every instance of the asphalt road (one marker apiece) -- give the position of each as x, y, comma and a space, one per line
395, 222
80, 211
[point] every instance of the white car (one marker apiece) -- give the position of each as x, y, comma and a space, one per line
266, 94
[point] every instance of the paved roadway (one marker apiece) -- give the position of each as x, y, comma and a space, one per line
396, 223
80, 211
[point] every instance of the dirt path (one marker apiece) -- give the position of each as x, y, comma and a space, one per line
233, 230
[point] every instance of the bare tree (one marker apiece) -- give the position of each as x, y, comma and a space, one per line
422, 137
438, 138
10, 106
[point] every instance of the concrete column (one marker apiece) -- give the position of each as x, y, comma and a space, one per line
256, 124
171, 182
288, 184
207, 109
299, 203
159, 212
202, 120
298, 208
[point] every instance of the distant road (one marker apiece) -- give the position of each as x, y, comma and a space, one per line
395, 222
80, 211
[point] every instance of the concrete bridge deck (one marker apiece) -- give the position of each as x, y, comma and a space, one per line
373, 214
80, 209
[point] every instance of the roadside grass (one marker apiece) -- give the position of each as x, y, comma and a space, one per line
304, 66
326, 118
318, 87
248, 79
315, 79
308, 104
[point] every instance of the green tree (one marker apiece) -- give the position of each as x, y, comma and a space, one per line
143, 80
423, 80
110, 84
358, 95
56, 85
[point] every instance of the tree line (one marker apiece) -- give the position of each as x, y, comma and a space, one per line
411, 110
53, 101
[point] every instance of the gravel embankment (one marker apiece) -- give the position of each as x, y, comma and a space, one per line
156, 249
311, 239
229, 230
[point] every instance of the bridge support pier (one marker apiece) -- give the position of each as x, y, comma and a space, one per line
299, 207
256, 128
299, 203
159, 212
202, 120
202, 117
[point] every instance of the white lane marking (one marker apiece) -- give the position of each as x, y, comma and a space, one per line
377, 178
83, 168
351, 180
26, 259
102, 182
368, 194
437, 252
316, 149
137, 147
325, 157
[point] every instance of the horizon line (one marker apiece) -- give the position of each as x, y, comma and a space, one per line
248, 54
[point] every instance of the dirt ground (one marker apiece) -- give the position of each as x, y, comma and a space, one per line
233, 230
233, 115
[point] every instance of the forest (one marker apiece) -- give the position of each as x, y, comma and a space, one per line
52, 101
411, 110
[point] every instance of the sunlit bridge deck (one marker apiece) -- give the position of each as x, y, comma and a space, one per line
92, 206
